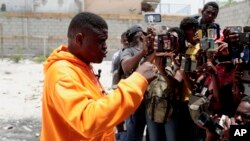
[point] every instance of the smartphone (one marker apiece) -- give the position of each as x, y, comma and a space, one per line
211, 33
152, 17
206, 44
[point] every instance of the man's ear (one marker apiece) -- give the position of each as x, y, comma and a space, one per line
79, 38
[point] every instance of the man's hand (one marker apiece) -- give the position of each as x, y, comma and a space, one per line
230, 36
228, 122
147, 70
223, 48
226, 130
148, 42
210, 68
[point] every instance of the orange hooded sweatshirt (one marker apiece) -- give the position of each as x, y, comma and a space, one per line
75, 108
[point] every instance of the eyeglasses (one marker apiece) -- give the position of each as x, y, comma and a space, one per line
243, 115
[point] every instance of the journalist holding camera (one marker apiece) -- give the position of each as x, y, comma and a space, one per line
168, 95
173, 86
241, 117
162, 97
196, 78
217, 126
205, 71
131, 57
207, 20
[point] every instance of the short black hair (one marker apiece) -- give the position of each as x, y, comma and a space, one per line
246, 99
189, 22
85, 20
211, 3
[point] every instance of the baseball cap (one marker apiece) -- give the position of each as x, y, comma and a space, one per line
133, 30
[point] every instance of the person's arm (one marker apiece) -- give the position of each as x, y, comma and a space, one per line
130, 63
216, 88
215, 81
230, 36
146, 45
226, 131
73, 97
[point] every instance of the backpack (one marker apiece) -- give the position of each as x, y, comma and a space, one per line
159, 100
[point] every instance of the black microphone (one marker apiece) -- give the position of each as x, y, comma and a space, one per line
99, 73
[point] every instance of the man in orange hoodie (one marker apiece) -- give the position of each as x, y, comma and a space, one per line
75, 106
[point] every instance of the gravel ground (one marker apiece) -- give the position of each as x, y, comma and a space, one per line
20, 98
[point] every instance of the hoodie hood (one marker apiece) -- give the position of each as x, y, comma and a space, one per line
61, 53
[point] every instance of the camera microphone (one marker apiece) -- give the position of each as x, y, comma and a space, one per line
98, 75
99, 72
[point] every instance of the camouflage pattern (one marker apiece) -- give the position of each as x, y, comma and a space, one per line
159, 100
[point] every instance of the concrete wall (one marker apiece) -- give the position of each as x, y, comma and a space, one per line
235, 14
113, 6
30, 33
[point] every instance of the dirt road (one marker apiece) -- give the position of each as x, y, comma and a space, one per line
20, 98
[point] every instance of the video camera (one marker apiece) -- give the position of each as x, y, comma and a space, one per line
207, 35
211, 30
163, 40
207, 39
241, 49
244, 33
236, 29
166, 42
207, 43
208, 46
